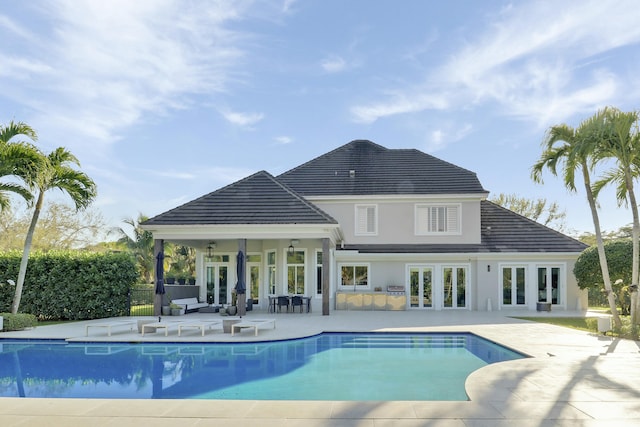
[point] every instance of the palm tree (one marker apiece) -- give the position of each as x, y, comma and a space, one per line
574, 148
140, 245
623, 145
18, 159
58, 173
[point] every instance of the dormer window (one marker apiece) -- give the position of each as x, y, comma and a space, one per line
438, 219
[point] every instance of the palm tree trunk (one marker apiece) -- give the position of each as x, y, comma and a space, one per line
635, 261
600, 244
25, 254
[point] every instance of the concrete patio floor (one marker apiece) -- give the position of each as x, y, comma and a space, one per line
573, 379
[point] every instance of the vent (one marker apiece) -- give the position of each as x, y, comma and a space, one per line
352, 173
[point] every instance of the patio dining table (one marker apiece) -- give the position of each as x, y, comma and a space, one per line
273, 302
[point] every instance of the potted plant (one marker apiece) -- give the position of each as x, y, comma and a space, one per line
170, 280
191, 280
176, 310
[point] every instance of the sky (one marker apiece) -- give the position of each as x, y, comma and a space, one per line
163, 101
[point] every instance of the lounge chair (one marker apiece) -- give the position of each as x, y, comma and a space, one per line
109, 325
199, 324
252, 324
160, 325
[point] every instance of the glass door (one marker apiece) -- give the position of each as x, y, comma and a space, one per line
455, 287
218, 290
513, 286
253, 277
421, 285
549, 285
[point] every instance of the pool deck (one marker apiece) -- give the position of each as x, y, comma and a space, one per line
573, 379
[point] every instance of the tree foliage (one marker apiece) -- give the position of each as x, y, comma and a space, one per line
589, 275
59, 227
548, 214
57, 172
19, 161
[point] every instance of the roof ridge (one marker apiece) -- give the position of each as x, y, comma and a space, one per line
301, 199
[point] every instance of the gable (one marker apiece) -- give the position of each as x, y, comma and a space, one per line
364, 168
257, 199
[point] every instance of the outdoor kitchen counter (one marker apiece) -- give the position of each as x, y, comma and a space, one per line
362, 300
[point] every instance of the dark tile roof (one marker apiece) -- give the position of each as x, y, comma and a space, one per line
257, 199
502, 231
379, 171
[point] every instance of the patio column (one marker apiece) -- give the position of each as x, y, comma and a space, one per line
325, 277
158, 247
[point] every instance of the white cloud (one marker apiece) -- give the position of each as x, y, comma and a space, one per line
241, 119
104, 65
448, 134
334, 64
531, 59
399, 104
284, 140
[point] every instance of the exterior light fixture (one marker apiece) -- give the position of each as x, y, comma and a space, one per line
210, 247
292, 249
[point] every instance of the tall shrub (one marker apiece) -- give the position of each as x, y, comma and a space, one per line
589, 274
70, 285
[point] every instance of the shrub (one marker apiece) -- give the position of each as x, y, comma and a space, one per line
589, 275
70, 285
18, 322
592, 323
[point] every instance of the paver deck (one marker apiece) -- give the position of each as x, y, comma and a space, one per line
574, 379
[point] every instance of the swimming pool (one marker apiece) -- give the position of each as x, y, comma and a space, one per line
329, 366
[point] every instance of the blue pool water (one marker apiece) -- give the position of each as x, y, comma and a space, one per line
331, 366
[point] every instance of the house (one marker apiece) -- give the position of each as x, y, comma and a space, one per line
367, 227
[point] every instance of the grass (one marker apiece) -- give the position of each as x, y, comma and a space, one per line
568, 322
588, 324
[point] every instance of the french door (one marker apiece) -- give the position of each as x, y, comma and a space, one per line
253, 281
549, 289
218, 289
421, 286
455, 287
514, 286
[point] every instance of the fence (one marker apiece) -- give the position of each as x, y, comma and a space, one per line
141, 302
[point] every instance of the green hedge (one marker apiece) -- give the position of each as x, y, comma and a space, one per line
17, 322
589, 275
70, 285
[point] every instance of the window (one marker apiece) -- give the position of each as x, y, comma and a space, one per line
355, 275
271, 272
295, 272
437, 219
366, 220
318, 272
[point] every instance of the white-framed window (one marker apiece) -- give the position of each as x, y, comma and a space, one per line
354, 275
295, 272
366, 220
271, 271
318, 272
438, 219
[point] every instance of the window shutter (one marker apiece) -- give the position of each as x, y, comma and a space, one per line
366, 220
452, 219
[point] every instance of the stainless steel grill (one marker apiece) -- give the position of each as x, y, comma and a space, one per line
395, 290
